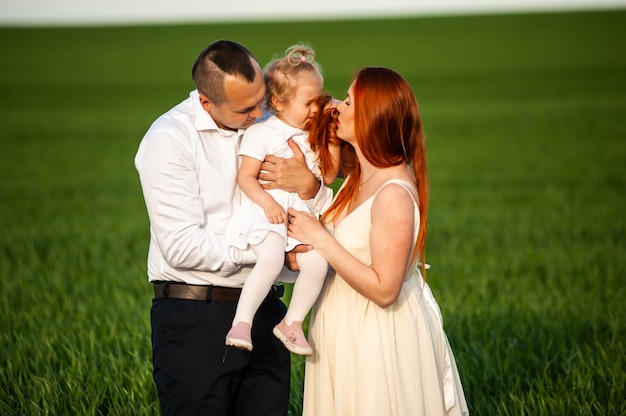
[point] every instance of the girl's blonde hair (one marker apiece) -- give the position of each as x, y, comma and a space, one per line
282, 75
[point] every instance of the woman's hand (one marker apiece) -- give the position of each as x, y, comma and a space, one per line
305, 227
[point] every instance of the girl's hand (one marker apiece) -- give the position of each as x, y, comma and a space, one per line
276, 214
305, 227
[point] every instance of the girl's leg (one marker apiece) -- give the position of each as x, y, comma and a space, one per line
308, 285
313, 268
270, 260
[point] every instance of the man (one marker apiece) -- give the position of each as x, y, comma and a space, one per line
187, 164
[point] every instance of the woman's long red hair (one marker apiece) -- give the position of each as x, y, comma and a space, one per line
388, 130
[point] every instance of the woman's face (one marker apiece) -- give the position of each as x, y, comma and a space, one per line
345, 125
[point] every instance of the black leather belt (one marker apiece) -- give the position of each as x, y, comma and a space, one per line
179, 290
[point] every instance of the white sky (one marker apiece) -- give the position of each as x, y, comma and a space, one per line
85, 12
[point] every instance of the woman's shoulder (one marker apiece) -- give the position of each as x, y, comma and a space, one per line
399, 185
395, 191
394, 206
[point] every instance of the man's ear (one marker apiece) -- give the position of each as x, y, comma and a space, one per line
205, 102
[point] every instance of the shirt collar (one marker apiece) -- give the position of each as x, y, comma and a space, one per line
204, 121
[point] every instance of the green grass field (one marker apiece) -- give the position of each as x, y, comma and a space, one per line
525, 117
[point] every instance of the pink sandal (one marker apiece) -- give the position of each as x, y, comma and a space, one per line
239, 336
293, 337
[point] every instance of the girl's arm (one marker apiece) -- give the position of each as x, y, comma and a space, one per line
391, 238
249, 184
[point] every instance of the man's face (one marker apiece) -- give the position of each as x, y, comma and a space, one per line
242, 105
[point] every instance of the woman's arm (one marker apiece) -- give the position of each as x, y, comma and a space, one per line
391, 238
249, 184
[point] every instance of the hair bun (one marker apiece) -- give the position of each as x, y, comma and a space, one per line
298, 54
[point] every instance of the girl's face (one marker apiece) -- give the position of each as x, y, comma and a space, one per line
345, 124
297, 111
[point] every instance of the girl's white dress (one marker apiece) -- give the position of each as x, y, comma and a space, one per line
249, 225
373, 361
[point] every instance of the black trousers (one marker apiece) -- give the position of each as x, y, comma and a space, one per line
196, 374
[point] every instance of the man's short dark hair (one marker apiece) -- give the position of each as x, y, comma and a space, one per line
219, 58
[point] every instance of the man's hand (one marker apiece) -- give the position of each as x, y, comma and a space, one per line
290, 256
291, 175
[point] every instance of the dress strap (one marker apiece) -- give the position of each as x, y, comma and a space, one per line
406, 185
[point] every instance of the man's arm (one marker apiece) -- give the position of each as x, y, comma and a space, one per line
170, 187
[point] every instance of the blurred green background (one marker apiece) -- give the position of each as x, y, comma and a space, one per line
525, 122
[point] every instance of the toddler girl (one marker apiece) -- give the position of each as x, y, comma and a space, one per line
294, 96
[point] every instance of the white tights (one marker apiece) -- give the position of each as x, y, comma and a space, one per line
270, 255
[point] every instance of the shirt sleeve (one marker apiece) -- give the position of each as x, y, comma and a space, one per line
175, 207
321, 201
254, 143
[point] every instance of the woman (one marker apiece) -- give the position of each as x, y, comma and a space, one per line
376, 329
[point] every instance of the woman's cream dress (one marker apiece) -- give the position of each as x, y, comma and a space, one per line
377, 361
